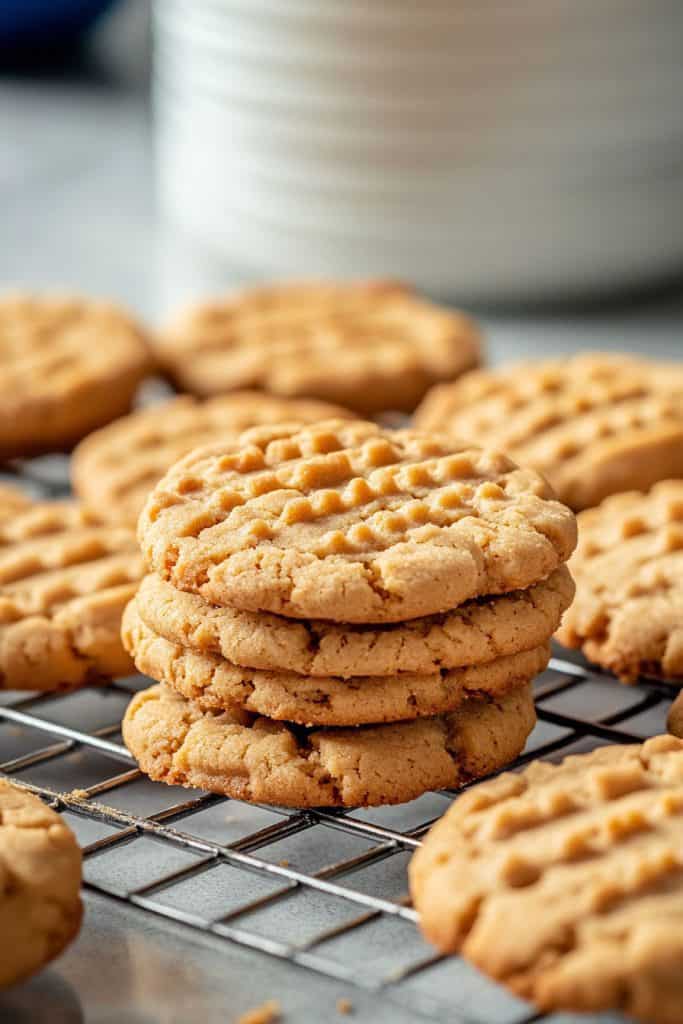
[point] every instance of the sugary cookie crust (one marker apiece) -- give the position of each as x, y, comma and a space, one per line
351, 523
67, 365
477, 632
628, 567
262, 761
565, 882
114, 469
370, 346
40, 875
594, 424
64, 582
214, 683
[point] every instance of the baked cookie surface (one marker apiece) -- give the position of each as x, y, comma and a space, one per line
40, 877
475, 633
213, 683
628, 612
67, 366
12, 500
594, 424
114, 469
565, 882
65, 580
370, 346
348, 522
255, 759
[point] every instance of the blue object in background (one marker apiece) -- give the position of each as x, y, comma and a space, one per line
40, 25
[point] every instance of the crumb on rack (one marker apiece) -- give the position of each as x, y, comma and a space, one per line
344, 1006
266, 1013
79, 794
284, 863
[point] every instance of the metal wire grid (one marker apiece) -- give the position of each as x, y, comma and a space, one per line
323, 889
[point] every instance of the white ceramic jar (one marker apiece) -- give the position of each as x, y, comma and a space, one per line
487, 149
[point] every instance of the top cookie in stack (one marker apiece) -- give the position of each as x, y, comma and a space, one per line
337, 576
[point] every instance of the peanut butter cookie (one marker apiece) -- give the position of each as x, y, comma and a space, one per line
565, 882
67, 366
65, 580
114, 469
628, 567
255, 759
40, 877
476, 633
593, 424
369, 346
348, 522
213, 683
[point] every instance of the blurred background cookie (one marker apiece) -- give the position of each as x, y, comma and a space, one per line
594, 423
40, 878
114, 469
628, 566
64, 582
67, 366
371, 346
674, 721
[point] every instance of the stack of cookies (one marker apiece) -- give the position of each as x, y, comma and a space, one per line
342, 615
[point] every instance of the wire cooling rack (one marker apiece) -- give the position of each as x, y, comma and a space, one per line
325, 889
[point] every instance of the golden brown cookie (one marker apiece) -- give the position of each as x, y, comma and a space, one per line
12, 500
114, 469
67, 366
565, 882
628, 612
475, 633
370, 346
213, 683
40, 877
64, 582
593, 424
255, 759
348, 522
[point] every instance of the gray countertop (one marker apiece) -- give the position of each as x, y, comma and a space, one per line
78, 211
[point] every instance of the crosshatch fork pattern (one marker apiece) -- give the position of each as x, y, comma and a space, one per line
325, 890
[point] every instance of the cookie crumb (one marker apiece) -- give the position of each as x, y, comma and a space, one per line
79, 794
284, 863
344, 1006
266, 1013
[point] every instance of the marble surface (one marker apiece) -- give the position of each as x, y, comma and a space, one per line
77, 188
